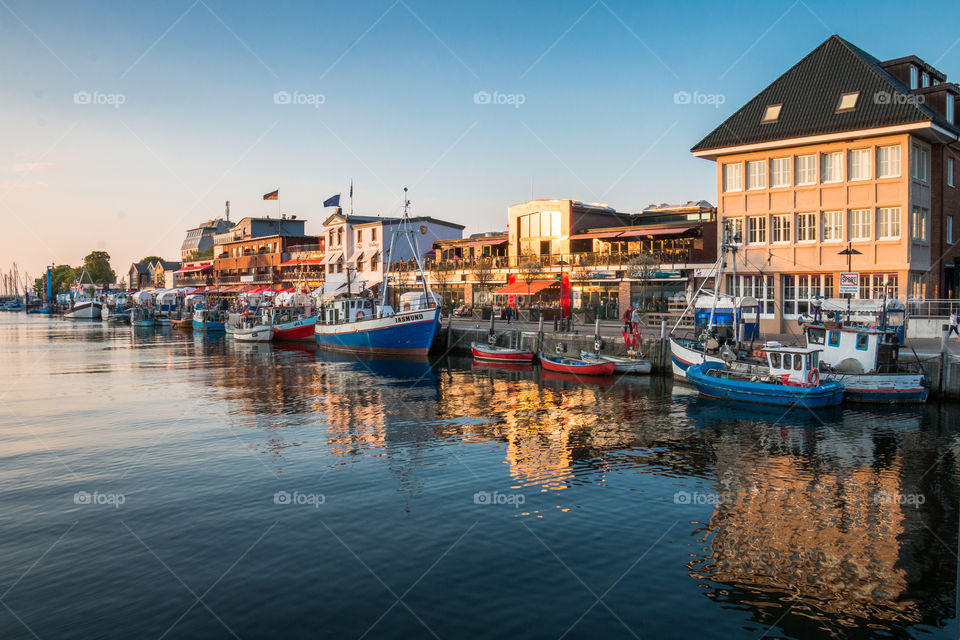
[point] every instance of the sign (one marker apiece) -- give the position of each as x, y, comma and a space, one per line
849, 283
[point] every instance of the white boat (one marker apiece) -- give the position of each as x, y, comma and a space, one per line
635, 366
257, 333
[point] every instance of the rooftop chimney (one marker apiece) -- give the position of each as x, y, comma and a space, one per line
228, 211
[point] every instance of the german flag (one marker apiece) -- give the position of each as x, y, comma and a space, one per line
273, 195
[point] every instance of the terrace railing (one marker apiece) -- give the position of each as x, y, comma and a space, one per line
921, 308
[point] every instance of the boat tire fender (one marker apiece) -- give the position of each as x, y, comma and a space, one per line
598, 344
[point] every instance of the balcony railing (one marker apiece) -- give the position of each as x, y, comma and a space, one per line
672, 257
919, 308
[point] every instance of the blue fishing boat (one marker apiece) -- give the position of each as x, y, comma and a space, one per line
793, 380
208, 320
142, 317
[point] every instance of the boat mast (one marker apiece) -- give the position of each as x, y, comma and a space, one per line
716, 289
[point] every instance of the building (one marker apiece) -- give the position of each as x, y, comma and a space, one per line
198, 242
841, 150
252, 227
303, 263
356, 247
255, 261
194, 273
591, 248
139, 276
162, 273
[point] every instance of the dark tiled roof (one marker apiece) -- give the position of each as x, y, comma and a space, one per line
810, 92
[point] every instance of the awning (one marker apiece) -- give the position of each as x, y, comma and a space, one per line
479, 243
201, 267
359, 258
293, 263
333, 257
655, 232
596, 234
520, 287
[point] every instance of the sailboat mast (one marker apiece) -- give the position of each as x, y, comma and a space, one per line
716, 288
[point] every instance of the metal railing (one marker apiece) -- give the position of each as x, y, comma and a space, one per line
920, 308
673, 257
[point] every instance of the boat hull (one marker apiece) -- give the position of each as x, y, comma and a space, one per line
262, 333
497, 354
301, 329
85, 311
826, 394
882, 388
621, 365
409, 333
682, 357
582, 369
209, 326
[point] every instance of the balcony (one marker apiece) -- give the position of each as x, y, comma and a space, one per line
574, 261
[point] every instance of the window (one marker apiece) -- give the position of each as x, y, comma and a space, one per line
373, 234
888, 223
862, 341
949, 229
832, 226
733, 177
888, 162
771, 113
359, 267
831, 167
921, 163
757, 286
797, 362
860, 228
806, 169
757, 174
925, 80
359, 236
834, 339
914, 77
950, 172
780, 172
950, 117
775, 360
919, 223
757, 230
859, 164
781, 228
848, 101
806, 227
816, 336
736, 230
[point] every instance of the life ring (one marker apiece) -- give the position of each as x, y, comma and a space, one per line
598, 344
813, 377
360, 315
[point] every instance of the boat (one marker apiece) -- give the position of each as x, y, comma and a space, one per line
562, 364
792, 380
207, 320
635, 366
142, 317
183, 323
491, 353
364, 324
253, 331
866, 359
303, 328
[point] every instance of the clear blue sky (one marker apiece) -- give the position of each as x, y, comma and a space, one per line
199, 124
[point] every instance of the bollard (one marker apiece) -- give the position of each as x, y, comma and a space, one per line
540, 335
596, 329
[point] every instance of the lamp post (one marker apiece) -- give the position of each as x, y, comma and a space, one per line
849, 252
562, 263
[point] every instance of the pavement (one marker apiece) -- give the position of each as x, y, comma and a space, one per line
609, 328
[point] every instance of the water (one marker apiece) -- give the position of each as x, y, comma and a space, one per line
159, 484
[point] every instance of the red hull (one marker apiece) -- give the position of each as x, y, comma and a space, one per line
303, 332
599, 369
494, 356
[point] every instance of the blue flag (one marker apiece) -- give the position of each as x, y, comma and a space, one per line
332, 201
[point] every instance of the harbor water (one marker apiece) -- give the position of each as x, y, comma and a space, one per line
169, 485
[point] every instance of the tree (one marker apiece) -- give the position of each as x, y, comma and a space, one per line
530, 270
442, 273
97, 264
641, 267
63, 276
149, 260
482, 271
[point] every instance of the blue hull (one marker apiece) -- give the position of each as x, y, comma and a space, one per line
375, 337
888, 397
208, 326
828, 394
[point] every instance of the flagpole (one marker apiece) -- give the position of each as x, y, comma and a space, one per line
351, 196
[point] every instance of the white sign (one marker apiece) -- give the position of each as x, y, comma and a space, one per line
849, 283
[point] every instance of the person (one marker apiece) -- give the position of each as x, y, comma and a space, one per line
634, 320
953, 325
628, 321
509, 313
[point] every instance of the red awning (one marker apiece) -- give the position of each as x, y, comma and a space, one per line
520, 287
596, 234
293, 263
201, 267
655, 232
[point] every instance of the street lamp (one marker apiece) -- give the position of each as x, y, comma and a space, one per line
849, 252
562, 264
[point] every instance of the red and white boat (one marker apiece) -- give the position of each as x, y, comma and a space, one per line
561, 364
490, 353
299, 329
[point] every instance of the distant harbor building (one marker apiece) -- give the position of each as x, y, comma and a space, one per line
139, 276
163, 273
198, 242
842, 148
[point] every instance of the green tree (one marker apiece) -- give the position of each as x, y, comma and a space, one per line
149, 260
63, 276
97, 264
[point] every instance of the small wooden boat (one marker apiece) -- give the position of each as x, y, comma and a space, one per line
793, 381
635, 366
560, 364
184, 323
500, 354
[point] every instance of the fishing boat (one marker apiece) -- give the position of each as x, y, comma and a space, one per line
364, 324
207, 320
253, 329
561, 364
866, 359
491, 353
143, 317
84, 304
292, 316
303, 328
185, 324
793, 380
634, 366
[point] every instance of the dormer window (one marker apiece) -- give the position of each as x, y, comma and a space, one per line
914, 79
950, 101
848, 101
925, 80
771, 113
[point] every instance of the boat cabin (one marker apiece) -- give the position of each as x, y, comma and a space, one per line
726, 314
889, 313
352, 310
793, 365
855, 348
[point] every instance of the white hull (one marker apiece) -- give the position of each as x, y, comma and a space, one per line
90, 310
262, 333
682, 357
621, 365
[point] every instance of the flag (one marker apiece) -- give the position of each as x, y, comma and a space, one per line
273, 195
351, 188
332, 201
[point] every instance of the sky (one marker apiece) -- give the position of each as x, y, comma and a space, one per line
124, 124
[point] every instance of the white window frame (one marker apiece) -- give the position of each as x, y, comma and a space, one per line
950, 171
831, 163
785, 228
865, 216
950, 104
920, 165
888, 223
924, 80
835, 222
771, 113
949, 233
737, 173
811, 179
920, 224
760, 287
807, 233
888, 161
753, 230
914, 77
736, 226
864, 157
780, 176
756, 181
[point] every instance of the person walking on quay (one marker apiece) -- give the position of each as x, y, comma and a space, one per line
509, 313
628, 321
953, 325
634, 320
